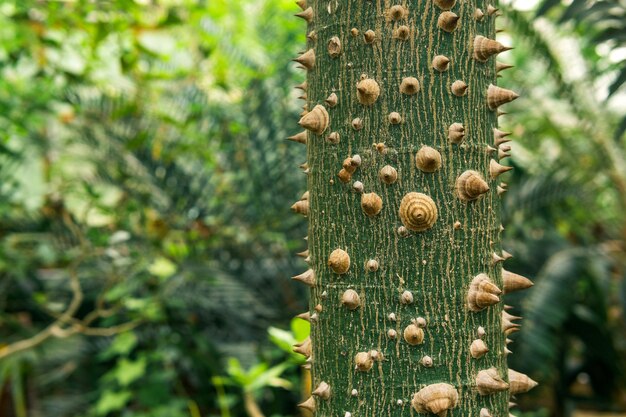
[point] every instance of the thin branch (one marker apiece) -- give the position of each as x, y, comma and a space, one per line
110, 331
75, 326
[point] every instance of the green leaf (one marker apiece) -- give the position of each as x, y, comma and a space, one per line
128, 371
123, 344
268, 378
282, 338
301, 329
112, 401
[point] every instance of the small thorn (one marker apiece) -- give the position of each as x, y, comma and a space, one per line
309, 404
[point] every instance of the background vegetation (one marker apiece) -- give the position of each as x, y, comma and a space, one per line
146, 242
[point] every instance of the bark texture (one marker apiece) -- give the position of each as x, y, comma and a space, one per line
389, 136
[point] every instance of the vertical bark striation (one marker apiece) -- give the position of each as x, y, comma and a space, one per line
404, 242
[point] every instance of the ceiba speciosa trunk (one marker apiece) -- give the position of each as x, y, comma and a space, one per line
404, 251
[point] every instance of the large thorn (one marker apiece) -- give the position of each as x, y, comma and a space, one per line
514, 282
485, 48
520, 383
488, 381
307, 59
497, 96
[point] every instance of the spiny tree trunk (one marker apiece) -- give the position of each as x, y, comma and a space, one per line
404, 214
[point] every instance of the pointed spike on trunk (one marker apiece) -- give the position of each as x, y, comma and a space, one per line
316, 120
509, 327
514, 282
306, 14
504, 151
491, 288
495, 258
487, 299
495, 169
307, 59
306, 316
506, 255
482, 293
497, 96
503, 154
301, 207
510, 317
299, 137
500, 190
303, 348
501, 141
485, 48
435, 399
309, 404
302, 86
520, 383
499, 135
501, 66
331, 100
478, 349
488, 381
448, 21
303, 254
322, 391
307, 277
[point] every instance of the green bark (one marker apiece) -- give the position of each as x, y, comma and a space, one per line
437, 265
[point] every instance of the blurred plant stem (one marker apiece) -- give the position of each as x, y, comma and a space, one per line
252, 408
222, 400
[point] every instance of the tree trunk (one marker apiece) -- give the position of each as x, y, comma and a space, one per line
404, 212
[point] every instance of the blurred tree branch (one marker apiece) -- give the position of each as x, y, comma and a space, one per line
66, 324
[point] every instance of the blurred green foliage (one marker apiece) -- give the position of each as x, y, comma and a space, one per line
146, 242
145, 247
